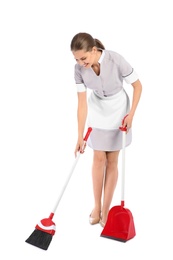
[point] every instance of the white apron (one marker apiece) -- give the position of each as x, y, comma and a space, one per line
105, 115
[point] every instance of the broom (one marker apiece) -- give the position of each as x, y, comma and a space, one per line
41, 237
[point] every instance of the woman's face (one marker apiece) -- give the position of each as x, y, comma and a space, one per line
85, 59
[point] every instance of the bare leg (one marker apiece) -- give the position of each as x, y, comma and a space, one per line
98, 169
111, 176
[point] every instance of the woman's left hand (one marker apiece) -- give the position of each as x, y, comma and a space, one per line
128, 122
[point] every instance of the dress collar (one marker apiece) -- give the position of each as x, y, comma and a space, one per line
102, 56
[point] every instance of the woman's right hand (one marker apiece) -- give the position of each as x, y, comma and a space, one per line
80, 146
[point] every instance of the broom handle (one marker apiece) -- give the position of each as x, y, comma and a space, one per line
123, 167
123, 129
71, 171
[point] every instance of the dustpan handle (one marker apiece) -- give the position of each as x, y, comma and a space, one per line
70, 173
123, 129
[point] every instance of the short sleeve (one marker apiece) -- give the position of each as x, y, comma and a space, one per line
127, 71
131, 78
78, 80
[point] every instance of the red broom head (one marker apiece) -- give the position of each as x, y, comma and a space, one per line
47, 225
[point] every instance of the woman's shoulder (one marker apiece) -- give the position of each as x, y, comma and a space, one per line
113, 55
77, 67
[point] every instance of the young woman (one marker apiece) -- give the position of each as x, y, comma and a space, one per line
103, 71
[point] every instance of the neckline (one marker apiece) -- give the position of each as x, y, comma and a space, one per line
102, 56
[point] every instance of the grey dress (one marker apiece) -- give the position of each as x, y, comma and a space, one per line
108, 102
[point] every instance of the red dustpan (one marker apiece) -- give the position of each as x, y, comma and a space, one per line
120, 224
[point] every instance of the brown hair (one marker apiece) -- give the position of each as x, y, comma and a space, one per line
84, 41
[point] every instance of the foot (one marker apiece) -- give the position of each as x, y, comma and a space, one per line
103, 219
94, 217
102, 223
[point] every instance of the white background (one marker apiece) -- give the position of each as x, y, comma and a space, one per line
38, 127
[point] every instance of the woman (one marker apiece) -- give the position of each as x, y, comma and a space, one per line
103, 71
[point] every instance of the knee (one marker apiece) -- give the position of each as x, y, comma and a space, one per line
100, 159
112, 159
111, 164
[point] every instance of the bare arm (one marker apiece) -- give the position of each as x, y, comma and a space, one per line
81, 117
137, 90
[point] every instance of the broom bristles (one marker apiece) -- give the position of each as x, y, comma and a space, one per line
39, 239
